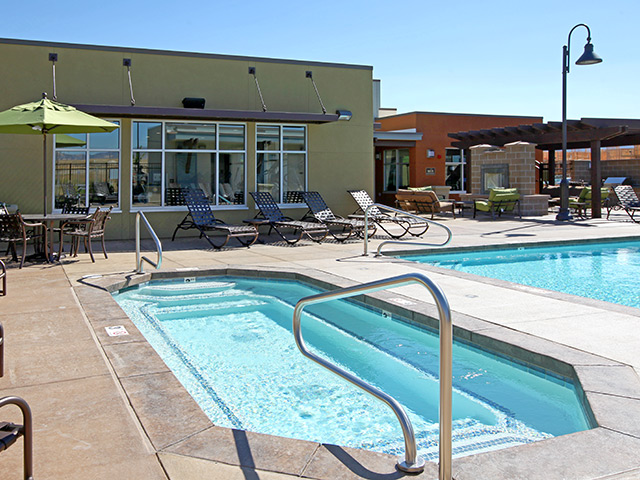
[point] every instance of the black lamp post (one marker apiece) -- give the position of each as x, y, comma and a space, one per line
587, 58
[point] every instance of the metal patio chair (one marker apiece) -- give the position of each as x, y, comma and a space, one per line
201, 217
321, 212
10, 432
13, 229
271, 213
409, 225
87, 230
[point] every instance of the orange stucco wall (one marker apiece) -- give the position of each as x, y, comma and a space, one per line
434, 128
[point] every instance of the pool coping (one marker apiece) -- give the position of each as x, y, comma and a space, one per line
175, 424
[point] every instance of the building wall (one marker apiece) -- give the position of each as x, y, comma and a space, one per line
434, 128
338, 154
580, 170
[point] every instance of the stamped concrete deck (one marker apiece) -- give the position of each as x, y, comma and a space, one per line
107, 407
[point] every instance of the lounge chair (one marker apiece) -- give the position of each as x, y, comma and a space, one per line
87, 229
423, 202
625, 198
500, 201
321, 212
409, 225
273, 216
201, 217
582, 202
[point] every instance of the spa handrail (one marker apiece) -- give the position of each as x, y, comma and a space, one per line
404, 214
140, 259
412, 462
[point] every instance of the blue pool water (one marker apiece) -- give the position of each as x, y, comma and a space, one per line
603, 271
229, 342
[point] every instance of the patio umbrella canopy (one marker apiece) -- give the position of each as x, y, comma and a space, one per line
46, 116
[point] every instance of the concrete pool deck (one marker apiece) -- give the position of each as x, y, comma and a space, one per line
99, 402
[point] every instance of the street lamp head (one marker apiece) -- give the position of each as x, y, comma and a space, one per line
588, 57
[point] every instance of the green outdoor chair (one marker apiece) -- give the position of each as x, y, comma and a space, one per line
501, 200
583, 201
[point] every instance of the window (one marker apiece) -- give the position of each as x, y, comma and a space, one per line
87, 169
168, 156
454, 164
396, 169
281, 161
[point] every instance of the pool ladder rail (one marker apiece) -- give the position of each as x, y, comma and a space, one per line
140, 259
412, 462
396, 242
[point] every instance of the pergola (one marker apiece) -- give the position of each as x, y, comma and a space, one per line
593, 133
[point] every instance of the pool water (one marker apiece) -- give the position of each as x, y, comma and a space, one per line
603, 271
229, 341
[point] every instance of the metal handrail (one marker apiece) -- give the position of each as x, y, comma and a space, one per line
404, 214
139, 259
412, 462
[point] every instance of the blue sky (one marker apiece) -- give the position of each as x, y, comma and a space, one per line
467, 56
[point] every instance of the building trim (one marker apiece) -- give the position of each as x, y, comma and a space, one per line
146, 51
205, 114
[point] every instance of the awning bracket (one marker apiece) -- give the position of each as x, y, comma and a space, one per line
252, 71
53, 58
309, 74
126, 62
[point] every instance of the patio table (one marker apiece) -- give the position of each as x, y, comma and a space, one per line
49, 221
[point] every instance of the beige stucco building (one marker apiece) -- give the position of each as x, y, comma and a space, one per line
228, 147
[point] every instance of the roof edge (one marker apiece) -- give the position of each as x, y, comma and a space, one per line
463, 115
177, 53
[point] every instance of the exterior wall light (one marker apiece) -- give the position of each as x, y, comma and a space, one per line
344, 115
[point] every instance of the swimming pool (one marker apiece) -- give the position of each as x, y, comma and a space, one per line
229, 342
602, 271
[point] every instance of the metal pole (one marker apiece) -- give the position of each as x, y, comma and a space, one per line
44, 170
139, 268
564, 213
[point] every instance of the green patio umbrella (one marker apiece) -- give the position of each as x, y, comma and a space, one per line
46, 116
64, 140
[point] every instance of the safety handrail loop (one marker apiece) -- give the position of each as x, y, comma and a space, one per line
412, 462
139, 259
404, 214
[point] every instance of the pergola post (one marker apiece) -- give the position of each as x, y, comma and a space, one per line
552, 167
596, 180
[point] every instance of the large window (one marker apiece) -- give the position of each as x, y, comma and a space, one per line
454, 164
87, 169
281, 161
396, 169
168, 156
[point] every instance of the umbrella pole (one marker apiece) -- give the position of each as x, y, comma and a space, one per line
44, 171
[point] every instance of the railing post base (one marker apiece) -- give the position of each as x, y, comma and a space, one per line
415, 467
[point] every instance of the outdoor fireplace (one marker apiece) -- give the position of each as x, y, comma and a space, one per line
494, 176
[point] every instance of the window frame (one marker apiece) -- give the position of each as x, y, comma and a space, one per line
163, 150
281, 152
87, 151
